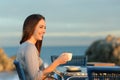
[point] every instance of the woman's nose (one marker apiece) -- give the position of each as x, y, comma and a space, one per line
44, 30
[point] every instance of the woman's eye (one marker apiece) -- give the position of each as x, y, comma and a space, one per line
43, 27
40, 26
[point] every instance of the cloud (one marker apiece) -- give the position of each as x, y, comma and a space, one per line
82, 34
10, 34
59, 38
66, 34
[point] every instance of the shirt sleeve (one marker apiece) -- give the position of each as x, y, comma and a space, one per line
32, 63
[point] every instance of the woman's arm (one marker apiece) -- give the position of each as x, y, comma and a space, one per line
62, 59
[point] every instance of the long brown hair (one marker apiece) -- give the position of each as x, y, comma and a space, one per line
29, 27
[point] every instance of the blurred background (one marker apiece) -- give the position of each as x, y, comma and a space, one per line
69, 22
72, 25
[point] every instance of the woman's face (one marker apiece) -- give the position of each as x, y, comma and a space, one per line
40, 30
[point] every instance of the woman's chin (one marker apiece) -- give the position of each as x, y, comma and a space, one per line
40, 38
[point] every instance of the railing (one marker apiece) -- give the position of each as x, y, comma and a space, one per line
76, 60
103, 73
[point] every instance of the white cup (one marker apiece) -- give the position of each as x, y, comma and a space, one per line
69, 55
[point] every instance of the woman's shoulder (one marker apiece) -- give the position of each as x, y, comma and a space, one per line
26, 45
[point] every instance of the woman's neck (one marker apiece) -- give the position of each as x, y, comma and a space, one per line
32, 40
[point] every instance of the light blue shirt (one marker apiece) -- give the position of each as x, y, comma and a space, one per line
28, 56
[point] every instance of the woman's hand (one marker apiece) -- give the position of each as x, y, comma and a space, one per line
62, 59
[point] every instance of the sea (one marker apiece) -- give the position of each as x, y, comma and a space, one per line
46, 52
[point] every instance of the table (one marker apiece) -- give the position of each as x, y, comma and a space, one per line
73, 75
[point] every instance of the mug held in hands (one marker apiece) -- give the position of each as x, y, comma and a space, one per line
68, 55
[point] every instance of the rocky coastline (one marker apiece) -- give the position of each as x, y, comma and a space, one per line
105, 50
6, 63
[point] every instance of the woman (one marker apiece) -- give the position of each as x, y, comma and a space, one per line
28, 53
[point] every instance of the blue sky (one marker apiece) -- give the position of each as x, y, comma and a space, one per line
69, 22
